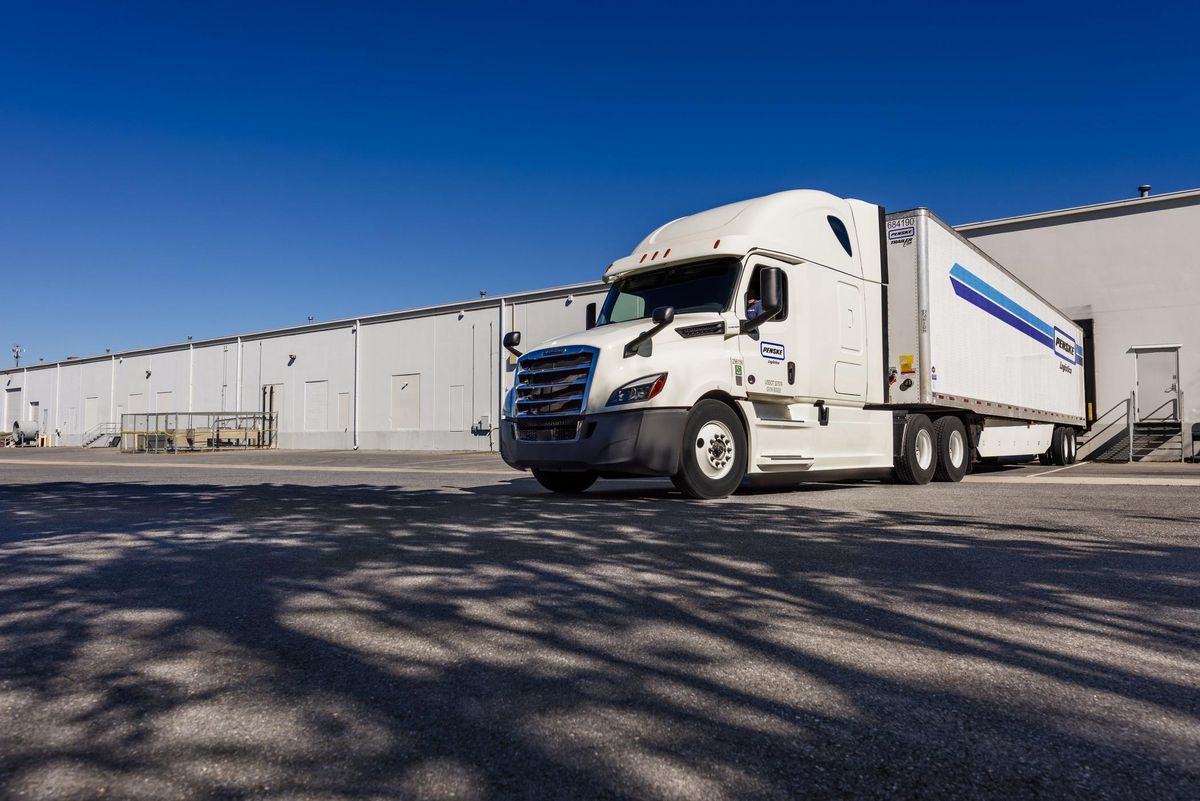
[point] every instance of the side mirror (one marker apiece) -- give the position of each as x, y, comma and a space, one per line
663, 315
770, 288
770, 284
590, 317
511, 340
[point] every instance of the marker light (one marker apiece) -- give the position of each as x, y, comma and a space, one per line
638, 390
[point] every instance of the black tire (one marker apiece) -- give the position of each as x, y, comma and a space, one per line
712, 461
953, 450
1062, 446
918, 436
1046, 458
567, 483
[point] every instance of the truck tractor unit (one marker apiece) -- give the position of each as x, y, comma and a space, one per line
798, 336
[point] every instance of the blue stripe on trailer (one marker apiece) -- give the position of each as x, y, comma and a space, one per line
971, 296
997, 297
980, 293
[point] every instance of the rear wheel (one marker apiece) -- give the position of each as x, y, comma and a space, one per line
952, 452
917, 460
712, 461
1062, 446
568, 483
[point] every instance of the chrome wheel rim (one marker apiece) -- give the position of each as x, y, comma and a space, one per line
924, 449
714, 449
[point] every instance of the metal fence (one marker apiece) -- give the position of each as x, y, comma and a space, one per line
190, 432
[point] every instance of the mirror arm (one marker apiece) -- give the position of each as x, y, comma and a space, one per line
747, 326
632, 347
514, 351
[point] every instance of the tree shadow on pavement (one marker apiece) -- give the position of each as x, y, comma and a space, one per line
277, 641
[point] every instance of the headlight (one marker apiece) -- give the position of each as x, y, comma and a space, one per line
640, 389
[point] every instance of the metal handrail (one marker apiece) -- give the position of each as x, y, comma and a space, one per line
1093, 433
99, 430
1168, 402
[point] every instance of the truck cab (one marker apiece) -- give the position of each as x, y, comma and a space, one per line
742, 340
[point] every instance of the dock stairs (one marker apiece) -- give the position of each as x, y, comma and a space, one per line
104, 435
1116, 436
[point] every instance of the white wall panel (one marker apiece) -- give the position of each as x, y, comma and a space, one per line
322, 355
68, 416
214, 378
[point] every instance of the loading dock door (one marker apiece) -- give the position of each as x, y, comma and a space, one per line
12, 409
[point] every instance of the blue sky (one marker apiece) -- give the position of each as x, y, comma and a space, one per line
200, 169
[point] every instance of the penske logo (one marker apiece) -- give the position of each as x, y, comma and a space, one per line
1064, 345
771, 351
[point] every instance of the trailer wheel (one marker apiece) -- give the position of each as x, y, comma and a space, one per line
713, 459
1062, 446
917, 460
953, 456
567, 483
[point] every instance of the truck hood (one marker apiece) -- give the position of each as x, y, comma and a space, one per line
669, 352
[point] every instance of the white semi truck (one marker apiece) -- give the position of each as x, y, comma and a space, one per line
804, 336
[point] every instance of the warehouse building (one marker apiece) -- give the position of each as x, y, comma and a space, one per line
423, 379
433, 378
1129, 273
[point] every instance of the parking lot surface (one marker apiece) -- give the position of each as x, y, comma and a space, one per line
291, 625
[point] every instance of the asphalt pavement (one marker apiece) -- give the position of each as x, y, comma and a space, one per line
290, 625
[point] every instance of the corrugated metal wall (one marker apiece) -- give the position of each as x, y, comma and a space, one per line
429, 379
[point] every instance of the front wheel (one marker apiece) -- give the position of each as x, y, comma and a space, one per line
713, 459
567, 483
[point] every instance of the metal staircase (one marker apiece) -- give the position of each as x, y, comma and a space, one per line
104, 435
1119, 436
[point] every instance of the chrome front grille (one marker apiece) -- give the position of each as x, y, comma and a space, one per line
551, 392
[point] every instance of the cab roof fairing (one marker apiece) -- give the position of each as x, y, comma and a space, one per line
792, 222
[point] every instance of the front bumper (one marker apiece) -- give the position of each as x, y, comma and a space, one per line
639, 442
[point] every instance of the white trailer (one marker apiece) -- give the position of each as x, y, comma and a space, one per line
964, 333
802, 336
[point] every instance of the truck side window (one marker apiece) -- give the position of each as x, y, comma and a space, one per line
755, 277
839, 230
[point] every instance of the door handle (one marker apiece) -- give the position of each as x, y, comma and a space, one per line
791, 372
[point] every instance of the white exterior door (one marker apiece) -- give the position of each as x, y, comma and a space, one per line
406, 401
1157, 383
91, 413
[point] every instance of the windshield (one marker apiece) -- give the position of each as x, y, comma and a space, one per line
705, 286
